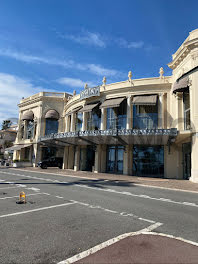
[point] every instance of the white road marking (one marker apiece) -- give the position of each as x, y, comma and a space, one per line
125, 214
9, 187
2, 180
120, 192
105, 244
59, 197
34, 189
36, 210
21, 185
151, 227
10, 197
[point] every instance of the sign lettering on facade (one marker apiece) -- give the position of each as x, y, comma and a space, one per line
89, 92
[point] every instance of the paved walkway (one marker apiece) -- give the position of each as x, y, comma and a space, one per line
147, 249
185, 185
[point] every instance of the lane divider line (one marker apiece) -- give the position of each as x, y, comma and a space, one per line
37, 209
10, 197
125, 214
183, 203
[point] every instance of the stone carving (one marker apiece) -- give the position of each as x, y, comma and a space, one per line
130, 76
74, 92
86, 86
161, 72
104, 81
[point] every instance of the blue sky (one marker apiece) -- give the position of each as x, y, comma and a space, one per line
59, 45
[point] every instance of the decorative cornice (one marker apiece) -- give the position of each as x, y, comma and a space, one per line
182, 52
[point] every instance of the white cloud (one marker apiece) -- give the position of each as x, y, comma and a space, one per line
123, 43
69, 64
72, 82
12, 89
101, 71
35, 59
87, 38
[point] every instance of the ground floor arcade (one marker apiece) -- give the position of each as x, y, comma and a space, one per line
163, 154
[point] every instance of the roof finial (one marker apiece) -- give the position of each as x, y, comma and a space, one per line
104, 80
86, 85
130, 76
161, 72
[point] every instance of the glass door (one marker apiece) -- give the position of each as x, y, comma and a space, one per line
115, 159
87, 158
148, 161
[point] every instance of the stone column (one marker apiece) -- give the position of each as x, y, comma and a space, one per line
191, 108
66, 123
40, 124
129, 113
97, 164
103, 119
84, 124
77, 159
71, 157
65, 158
25, 129
73, 118
194, 155
161, 111
37, 151
126, 161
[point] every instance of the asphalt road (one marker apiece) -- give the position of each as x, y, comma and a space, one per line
65, 215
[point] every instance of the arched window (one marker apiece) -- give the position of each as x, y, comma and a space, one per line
29, 118
51, 117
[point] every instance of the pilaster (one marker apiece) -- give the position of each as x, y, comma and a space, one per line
129, 113
77, 159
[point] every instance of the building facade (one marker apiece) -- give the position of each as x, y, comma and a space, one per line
142, 127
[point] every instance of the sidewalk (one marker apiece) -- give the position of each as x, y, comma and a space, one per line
143, 248
184, 185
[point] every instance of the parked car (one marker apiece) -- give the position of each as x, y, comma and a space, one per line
51, 162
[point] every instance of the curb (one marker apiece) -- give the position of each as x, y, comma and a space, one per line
95, 179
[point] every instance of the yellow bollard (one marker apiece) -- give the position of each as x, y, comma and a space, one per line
22, 197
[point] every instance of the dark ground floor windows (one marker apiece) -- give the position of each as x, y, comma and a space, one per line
148, 161
115, 156
186, 148
48, 152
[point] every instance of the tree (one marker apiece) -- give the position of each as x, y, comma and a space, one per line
6, 124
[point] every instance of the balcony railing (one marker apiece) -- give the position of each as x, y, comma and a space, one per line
145, 121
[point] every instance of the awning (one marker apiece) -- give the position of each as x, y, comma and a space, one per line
88, 108
181, 85
74, 110
17, 147
112, 103
52, 114
28, 116
145, 100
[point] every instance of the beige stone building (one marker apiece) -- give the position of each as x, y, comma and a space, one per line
144, 127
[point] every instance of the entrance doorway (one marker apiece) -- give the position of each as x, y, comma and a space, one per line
87, 158
148, 161
115, 156
186, 160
